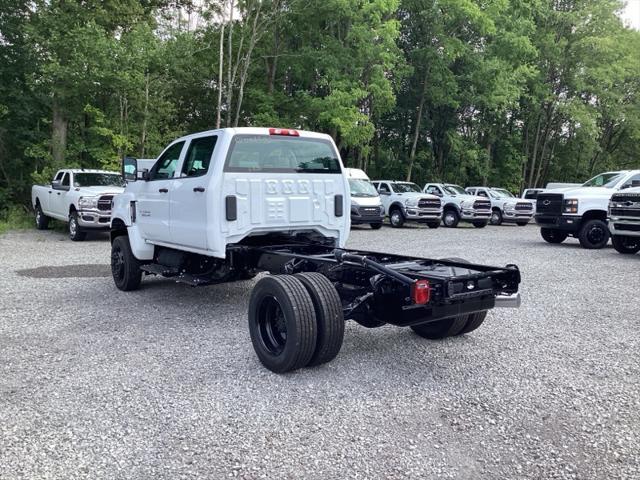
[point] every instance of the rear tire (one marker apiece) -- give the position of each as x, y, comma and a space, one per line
450, 218
282, 323
125, 267
474, 321
329, 317
551, 235
76, 234
594, 234
444, 328
625, 244
479, 224
42, 221
433, 224
376, 226
396, 218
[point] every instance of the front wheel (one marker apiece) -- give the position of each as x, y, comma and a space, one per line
594, 234
396, 218
451, 218
376, 226
496, 217
76, 234
553, 236
125, 267
479, 224
625, 244
42, 221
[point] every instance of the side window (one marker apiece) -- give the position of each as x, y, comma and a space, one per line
384, 188
531, 195
58, 176
482, 193
65, 180
633, 181
166, 165
198, 157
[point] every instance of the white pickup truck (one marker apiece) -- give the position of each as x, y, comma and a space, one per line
505, 207
222, 205
581, 212
460, 206
80, 197
404, 202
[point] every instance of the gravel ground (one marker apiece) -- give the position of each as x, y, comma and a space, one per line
163, 382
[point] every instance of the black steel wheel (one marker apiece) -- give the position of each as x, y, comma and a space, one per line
474, 321
42, 221
76, 234
625, 244
282, 323
376, 226
551, 235
329, 316
496, 217
396, 218
444, 328
594, 234
125, 267
450, 218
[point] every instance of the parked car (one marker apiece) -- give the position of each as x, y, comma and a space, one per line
221, 205
459, 206
505, 207
82, 198
624, 220
366, 206
405, 202
581, 212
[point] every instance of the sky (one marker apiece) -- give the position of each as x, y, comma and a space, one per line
631, 14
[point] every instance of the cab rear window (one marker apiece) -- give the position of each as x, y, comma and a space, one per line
275, 154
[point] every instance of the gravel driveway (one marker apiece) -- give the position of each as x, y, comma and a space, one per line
163, 382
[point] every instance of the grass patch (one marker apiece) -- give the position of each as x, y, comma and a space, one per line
16, 218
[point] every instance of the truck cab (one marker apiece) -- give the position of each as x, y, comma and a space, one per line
460, 206
505, 207
582, 212
366, 206
405, 202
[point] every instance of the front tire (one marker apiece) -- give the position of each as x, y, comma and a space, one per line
42, 221
376, 226
282, 323
594, 234
125, 267
451, 218
551, 235
625, 244
76, 234
396, 218
496, 217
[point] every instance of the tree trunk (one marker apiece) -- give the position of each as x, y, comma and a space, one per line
229, 62
143, 137
416, 133
220, 74
59, 126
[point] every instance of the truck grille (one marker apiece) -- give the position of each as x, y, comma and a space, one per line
626, 197
627, 227
524, 206
482, 205
549, 203
367, 211
625, 212
429, 203
104, 203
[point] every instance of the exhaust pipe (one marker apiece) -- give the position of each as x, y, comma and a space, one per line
508, 301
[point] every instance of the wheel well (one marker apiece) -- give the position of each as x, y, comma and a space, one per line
395, 206
72, 208
493, 209
37, 202
594, 215
450, 206
118, 229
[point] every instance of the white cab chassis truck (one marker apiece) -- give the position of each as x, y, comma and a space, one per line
82, 198
404, 202
624, 220
366, 206
505, 207
223, 205
460, 206
581, 212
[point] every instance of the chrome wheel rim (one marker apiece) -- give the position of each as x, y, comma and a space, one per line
73, 228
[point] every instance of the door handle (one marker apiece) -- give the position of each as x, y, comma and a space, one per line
163, 190
58, 193
198, 189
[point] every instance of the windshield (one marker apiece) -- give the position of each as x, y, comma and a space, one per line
361, 188
606, 180
406, 187
454, 190
97, 180
500, 193
278, 154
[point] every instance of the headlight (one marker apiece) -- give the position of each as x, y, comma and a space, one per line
466, 203
88, 202
510, 206
411, 202
570, 206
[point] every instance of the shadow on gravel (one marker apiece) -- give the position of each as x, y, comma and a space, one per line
67, 271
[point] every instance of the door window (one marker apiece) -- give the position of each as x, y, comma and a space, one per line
198, 157
166, 165
58, 177
65, 180
629, 183
482, 193
384, 188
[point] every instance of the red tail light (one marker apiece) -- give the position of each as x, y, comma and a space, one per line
287, 132
421, 292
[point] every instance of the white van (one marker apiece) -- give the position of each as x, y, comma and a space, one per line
365, 200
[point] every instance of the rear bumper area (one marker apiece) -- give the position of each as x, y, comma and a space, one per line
566, 223
94, 219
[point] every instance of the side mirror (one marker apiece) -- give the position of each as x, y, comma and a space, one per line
57, 185
145, 174
130, 169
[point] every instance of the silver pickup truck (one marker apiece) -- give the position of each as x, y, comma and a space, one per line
82, 198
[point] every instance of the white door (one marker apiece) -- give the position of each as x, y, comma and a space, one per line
58, 198
385, 195
154, 197
189, 195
